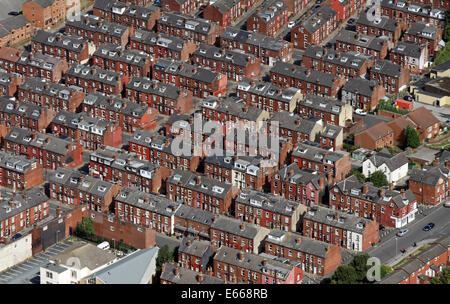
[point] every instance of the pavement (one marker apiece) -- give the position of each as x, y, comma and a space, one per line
388, 250
441, 113
171, 242
241, 21
28, 272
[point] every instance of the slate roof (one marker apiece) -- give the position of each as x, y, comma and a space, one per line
268, 202
352, 60
225, 55
422, 29
317, 154
36, 139
148, 201
76, 180
43, 86
17, 163
247, 164
191, 246
208, 186
268, 90
116, 104
82, 121
233, 226
295, 175
430, 175
332, 131
270, 10
409, 49
23, 200
134, 268
21, 108
160, 39
252, 262
353, 187
336, 218
68, 42
146, 85
187, 23
184, 69
12, 23
365, 41
94, 73
322, 103
385, 67
186, 276
253, 38
311, 23
39, 60
306, 245
365, 87
300, 72
235, 108
383, 22
93, 23
114, 52
392, 163
194, 214
295, 123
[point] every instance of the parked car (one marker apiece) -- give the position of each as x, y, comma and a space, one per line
360, 112
447, 204
291, 24
16, 236
351, 21
428, 227
402, 232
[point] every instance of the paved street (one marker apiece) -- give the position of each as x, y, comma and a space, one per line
388, 251
28, 271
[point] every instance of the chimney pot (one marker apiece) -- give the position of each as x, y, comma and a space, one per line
365, 189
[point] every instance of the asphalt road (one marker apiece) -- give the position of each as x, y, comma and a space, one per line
388, 251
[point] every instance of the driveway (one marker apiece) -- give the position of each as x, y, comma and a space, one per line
28, 272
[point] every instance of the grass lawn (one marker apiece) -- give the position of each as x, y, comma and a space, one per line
441, 146
405, 260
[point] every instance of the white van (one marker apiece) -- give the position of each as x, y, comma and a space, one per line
104, 246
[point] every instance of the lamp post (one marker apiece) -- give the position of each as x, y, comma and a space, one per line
57, 236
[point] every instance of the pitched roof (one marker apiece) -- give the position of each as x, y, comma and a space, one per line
377, 131
186, 276
423, 118
303, 73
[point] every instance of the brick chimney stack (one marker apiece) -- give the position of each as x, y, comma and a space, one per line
200, 277
365, 189
242, 226
391, 186
58, 211
330, 178
322, 182
241, 256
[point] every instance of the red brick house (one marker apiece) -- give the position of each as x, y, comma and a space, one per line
269, 18
194, 254
129, 62
365, 44
164, 97
233, 233
98, 30
393, 77
127, 13
200, 192
50, 151
431, 185
200, 81
339, 228
91, 79
314, 256
57, 97
9, 83
9, 57
146, 209
362, 93
299, 185
314, 28
426, 123
267, 48
247, 268
349, 65
330, 111
384, 26
22, 210
45, 14
182, 6
346, 8
129, 115
267, 210
125, 169
91, 132
307, 80
73, 49
387, 207
375, 137
268, 96
235, 65
191, 221
162, 46
74, 188
36, 64
322, 161
18, 172
25, 115
185, 26
173, 274
227, 11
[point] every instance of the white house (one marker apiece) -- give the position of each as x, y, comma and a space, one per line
75, 263
394, 167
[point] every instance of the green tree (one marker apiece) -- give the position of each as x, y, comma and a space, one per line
358, 175
85, 229
359, 263
385, 270
378, 178
443, 278
412, 137
345, 274
164, 255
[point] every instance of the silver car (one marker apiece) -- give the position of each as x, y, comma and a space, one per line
402, 232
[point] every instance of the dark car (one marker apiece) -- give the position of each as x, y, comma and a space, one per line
14, 13
428, 227
16, 237
351, 21
408, 98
